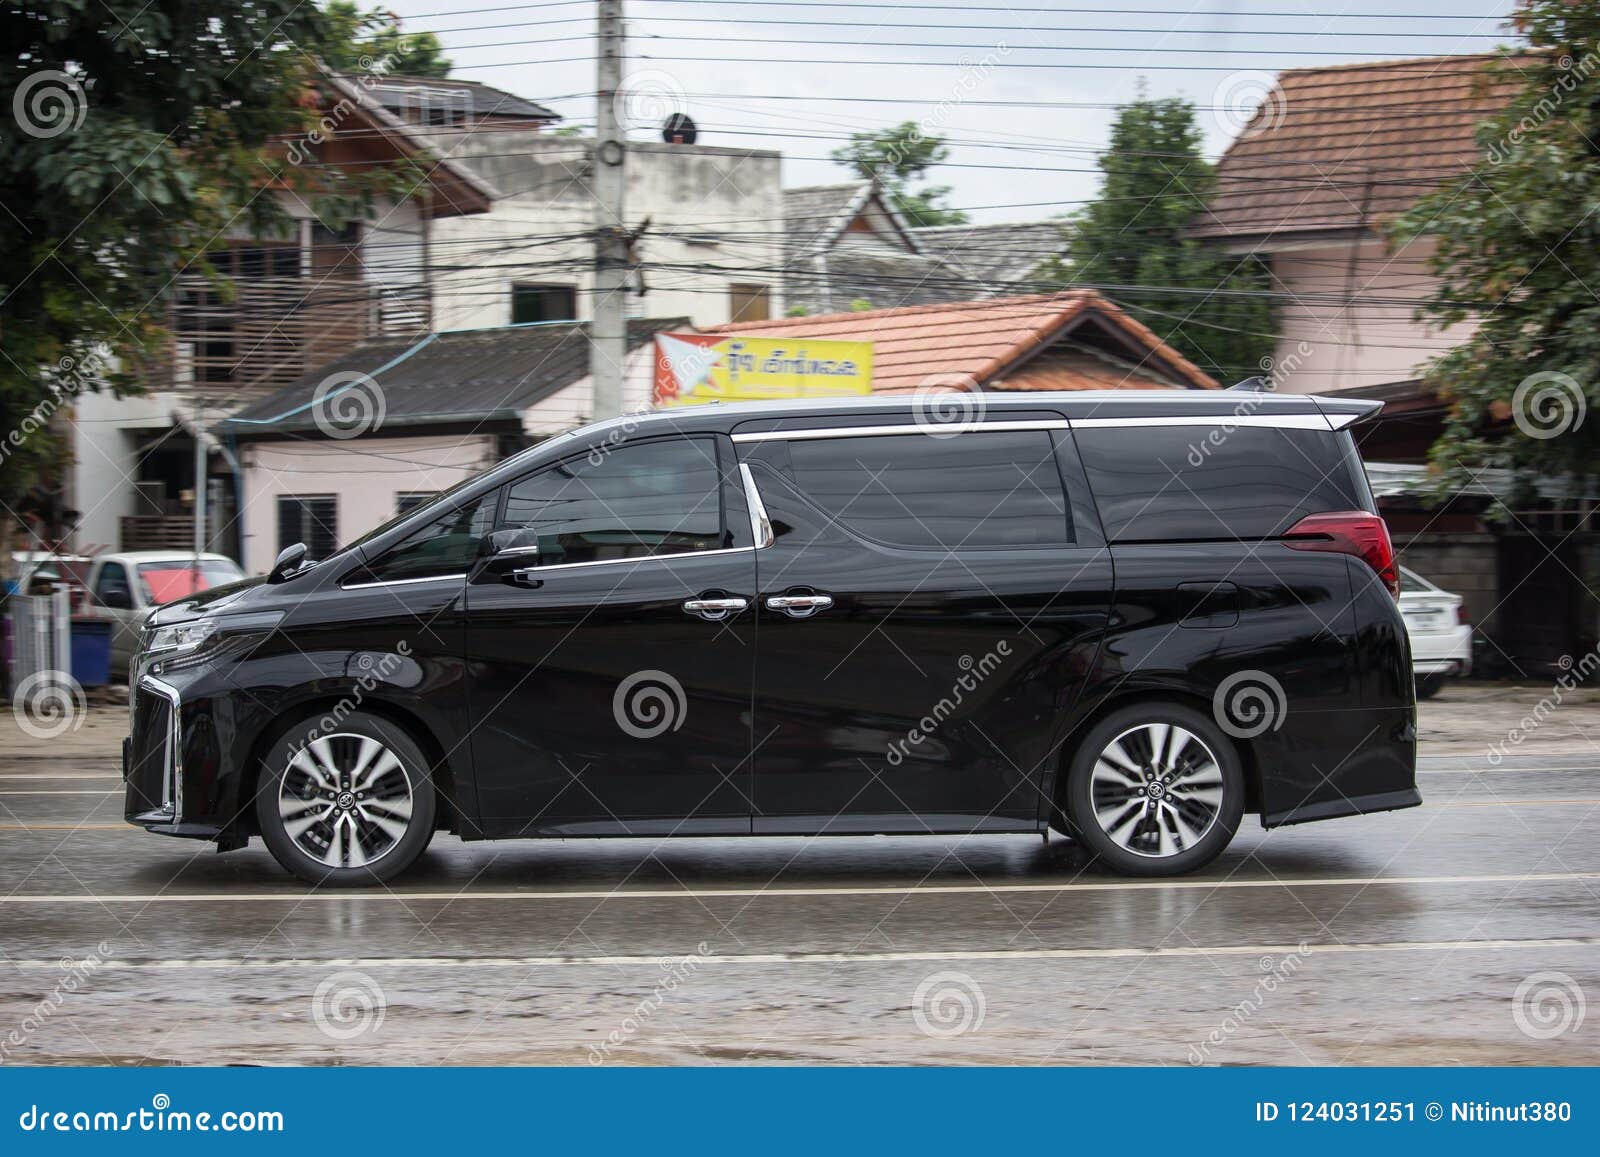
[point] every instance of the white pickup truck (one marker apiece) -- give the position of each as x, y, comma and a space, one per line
126, 587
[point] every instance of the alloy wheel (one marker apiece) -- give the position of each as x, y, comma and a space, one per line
345, 800
1156, 790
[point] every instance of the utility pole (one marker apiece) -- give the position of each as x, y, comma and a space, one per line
609, 329
200, 495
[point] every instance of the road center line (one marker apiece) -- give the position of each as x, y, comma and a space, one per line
219, 964
762, 893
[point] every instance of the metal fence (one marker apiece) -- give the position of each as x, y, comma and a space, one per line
41, 634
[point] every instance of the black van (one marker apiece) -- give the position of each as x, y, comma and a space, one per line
1132, 617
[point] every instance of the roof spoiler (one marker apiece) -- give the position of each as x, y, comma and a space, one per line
1344, 412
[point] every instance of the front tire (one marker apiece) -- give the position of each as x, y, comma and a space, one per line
1155, 790
347, 807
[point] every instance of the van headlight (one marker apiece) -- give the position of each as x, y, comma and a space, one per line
201, 640
180, 638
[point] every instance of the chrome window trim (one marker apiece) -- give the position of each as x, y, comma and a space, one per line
437, 578
682, 554
172, 788
1280, 421
760, 524
932, 429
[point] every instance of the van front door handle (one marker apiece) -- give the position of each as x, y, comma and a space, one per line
715, 610
799, 606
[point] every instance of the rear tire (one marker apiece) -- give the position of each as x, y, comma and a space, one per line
1429, 685
1155, 790
346, 807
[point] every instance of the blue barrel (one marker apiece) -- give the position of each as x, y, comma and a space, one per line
91, 652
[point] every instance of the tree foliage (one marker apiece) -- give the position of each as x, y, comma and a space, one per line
358, 41
1133, 243
898, 157
140, 133
1516, 246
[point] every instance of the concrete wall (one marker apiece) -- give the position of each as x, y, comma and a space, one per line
365, 474
1325, 344
1464, 564
707, 206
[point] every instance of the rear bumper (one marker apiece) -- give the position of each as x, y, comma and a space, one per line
1442, 652
1333, 809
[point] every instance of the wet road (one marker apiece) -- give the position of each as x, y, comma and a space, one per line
1393, 939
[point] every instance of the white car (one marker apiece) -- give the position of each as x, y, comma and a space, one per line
1441, 636
127, 586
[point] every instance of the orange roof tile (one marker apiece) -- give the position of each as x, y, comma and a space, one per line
1349, 145
975, 343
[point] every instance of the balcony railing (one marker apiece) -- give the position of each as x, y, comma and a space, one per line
272, 331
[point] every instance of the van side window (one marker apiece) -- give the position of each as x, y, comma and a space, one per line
1167, 483
637, 500
445, 546
973, 490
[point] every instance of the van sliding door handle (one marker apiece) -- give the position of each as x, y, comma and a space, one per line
799, 606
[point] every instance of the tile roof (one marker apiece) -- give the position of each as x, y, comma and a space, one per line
815, 214
482, 375
1350, 145
997, 256
985, 344
478, 99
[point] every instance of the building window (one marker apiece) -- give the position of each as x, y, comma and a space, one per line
409, 501
749, 303
309, 518
543, 303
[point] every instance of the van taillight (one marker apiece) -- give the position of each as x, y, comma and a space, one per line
1350, 532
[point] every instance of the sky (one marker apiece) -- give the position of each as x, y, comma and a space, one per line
1024, 92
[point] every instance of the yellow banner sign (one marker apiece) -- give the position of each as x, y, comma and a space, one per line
705, 367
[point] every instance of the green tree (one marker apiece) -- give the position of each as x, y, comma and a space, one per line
898, 157
1517, 248
1133, 242
140, 133
376, 36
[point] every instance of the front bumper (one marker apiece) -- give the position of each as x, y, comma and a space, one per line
152, 762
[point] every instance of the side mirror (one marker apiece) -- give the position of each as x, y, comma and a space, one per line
117, 598
522, 543
289, 560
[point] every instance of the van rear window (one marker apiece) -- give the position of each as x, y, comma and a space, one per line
1166, 483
